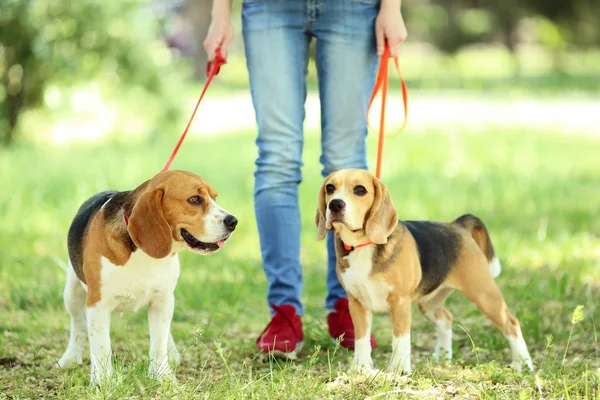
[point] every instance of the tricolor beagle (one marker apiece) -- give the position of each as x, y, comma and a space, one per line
386, 265
123, 251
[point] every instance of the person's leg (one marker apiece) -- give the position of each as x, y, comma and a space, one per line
347, 65
276, 48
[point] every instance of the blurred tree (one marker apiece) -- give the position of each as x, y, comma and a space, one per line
459, 24
506, 15
563, 23
554, 10
198, 12
15, 86
68, 41
553, 20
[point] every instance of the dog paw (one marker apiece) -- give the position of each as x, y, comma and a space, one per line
161, 372
175, 356
100, 377
443, 355
398, 369
165, 376
362, 357
518, 365
362, 365
68, 361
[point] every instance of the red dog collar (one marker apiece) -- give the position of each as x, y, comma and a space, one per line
350, 248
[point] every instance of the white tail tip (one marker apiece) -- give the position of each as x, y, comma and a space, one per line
495, 267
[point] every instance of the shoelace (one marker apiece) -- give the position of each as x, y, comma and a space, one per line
279, 319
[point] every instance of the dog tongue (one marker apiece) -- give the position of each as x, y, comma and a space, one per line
220, 243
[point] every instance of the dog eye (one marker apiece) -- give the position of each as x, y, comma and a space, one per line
360, 190
330, 189
195, 200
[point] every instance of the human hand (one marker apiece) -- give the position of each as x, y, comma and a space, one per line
220, 34
389, 26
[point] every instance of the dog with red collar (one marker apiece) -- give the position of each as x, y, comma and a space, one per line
123, 252
386, 265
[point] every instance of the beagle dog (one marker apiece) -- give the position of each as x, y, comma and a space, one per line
123, 255
386, 265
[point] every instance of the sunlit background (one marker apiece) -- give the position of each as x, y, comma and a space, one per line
87, 69
504, 122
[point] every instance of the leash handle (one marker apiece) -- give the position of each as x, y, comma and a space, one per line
212, 69
381, 83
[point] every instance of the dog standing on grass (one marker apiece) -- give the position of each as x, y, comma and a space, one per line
386, 265
123, 254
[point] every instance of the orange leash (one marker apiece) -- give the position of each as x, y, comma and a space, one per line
381, 83
212, 69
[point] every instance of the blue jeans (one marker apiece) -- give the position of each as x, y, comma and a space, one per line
277, 34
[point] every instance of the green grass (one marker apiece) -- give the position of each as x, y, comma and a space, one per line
537, 191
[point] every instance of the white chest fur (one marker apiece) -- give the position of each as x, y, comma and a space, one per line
131, 286
372, 294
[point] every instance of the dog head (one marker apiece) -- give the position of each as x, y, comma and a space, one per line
352, 202
176, 210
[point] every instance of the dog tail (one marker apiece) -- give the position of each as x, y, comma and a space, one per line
481, 236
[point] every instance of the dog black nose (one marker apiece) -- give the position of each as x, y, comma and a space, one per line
230, 222
337, 205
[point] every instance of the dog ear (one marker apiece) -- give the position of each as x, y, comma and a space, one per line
382, 219
321, 218
148, 227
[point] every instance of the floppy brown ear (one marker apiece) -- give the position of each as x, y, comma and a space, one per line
148, 227
382, 218
320, 218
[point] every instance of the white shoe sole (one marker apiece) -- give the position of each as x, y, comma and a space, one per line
290, 355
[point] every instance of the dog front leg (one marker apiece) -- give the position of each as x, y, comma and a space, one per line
361, 319
98, 324
74, 298
160, 313
174, 355
400, 309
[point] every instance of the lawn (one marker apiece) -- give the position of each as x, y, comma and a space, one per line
537, 191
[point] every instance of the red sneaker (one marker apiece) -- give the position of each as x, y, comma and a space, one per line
340, 322
283, 336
